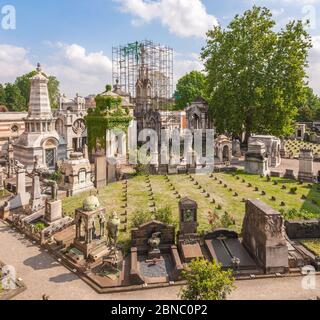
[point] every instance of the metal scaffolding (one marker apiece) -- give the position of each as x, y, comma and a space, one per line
158, 59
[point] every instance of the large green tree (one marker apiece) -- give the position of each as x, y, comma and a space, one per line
14, 99
23, 83
3, 100
189, 87
256, 75
310, 109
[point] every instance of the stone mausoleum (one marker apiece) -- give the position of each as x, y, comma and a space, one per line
40, 138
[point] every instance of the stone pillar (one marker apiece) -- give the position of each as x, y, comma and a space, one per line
78, 230
85, 152
305, 166
36, 199
21, 181
53, 211
236, 149
264, 237
1, 179
123, 145
100, 171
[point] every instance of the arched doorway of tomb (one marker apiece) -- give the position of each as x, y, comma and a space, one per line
226, 153
195, 121
50, 152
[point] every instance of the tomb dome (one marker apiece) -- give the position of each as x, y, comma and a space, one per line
91, 203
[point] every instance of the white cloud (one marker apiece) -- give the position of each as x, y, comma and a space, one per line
184, 18
78, 70
314, 69
302, 2
296, 2
184, 63
13, 62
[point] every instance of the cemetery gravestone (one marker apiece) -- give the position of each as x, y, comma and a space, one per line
263, 236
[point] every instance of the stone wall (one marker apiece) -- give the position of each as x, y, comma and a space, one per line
264, 237
305, 229
140, 236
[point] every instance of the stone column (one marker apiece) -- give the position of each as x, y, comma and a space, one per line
85, 152
1, 179
306, 165
78, 230
36, 199
21, 181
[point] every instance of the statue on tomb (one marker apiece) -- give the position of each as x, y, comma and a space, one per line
113, 229
154, 241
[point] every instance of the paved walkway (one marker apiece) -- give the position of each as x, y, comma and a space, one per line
43, 275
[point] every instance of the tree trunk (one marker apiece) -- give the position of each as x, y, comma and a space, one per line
248, 129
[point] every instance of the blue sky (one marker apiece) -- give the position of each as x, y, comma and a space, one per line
73, 38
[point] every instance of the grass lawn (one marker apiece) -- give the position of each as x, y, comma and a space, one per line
294, 146
313, 245
4, 193
227, 190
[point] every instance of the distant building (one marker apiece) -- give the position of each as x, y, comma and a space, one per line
197, 115
70, 122
11, 127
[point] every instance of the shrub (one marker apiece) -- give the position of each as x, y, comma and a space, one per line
213, 219
226, 220
140, 217
294, 214
293, 190
141, 169
206, 281
56, 176
39, 226
164, 215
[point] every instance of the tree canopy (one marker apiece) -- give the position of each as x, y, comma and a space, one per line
3, 99
189, 87
23, 83
256, 76
310, 109
14, 99
15, 96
